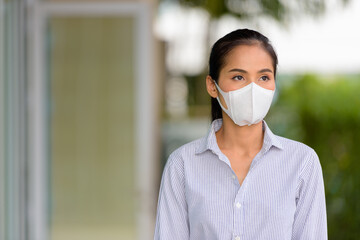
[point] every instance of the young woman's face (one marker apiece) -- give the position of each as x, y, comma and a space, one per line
246, 64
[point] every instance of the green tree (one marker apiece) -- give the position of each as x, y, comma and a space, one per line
251, 9
325, 115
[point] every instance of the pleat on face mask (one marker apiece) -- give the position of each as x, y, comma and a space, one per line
247, 105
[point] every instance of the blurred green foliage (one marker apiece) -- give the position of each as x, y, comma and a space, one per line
325, 114
279, 10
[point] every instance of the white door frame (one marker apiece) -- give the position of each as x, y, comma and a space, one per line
145, 114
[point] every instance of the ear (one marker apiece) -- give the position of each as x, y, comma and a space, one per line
210, 87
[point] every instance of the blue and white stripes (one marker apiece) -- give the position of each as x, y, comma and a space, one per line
282, 196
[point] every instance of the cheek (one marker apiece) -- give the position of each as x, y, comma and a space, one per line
270, 85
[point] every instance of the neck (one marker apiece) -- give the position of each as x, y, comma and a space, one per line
245, 139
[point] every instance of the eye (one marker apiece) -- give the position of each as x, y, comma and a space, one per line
264, 78
238, 77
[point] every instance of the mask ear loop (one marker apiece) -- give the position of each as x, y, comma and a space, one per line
218, 98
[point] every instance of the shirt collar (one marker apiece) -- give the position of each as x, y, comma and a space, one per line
270, 139
209, 141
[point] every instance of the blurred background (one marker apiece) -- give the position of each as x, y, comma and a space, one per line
94, 96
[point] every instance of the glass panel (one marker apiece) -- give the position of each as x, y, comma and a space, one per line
2, 122
92, 128
12, 121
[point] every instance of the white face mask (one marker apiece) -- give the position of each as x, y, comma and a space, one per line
248, 105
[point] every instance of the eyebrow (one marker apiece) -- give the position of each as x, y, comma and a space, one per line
243, 71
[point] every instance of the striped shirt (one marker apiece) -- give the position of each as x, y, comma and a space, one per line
282, 196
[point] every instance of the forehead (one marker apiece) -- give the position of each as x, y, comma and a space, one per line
248, 57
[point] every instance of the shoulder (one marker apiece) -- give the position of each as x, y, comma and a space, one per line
302, 153
186, 151
293, 145
290, 148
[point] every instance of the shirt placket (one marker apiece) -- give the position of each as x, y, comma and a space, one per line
238, 215
239, 205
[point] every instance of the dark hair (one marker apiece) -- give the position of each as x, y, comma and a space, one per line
221, 49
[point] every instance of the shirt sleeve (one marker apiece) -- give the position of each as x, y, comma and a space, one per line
310, 215
172, 216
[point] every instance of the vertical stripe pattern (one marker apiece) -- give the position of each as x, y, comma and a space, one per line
282, 196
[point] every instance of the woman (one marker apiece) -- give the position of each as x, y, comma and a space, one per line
241, 181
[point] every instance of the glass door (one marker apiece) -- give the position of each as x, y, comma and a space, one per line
91, 126
92, 154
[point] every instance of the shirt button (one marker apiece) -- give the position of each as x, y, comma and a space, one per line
233, 176
238, 205
237, 238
